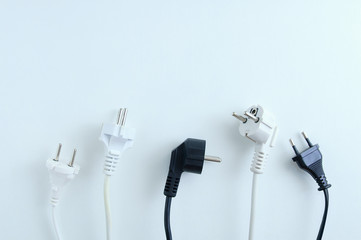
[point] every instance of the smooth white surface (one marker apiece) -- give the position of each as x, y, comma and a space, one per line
182, 68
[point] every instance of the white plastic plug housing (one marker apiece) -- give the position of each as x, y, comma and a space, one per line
259, 126
60, 175
116, 138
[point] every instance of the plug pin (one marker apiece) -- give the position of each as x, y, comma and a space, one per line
122, 116
294, 147
125, 111
251, 116
72, 159
58, 153
307, 139
239, 117
212, 158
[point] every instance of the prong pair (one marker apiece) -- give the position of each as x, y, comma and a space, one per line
307, 140
122, 116
243, 119
71, 163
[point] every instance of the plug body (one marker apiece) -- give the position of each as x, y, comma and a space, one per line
116, 138
310, 160
259, 126
60, 175
187, 157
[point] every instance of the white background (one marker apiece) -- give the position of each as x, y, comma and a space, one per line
181, 67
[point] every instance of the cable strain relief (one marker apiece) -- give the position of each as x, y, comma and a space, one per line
54, 201
171, 185
322, 182
110, 163
259, 161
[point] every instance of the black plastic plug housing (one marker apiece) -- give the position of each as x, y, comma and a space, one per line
310, 161
187, 157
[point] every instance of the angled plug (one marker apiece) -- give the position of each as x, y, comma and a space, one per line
310, 160
116, 138
60, 174
259, 126
187, 157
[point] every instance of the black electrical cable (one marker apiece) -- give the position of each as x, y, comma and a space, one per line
323, 223
168, 231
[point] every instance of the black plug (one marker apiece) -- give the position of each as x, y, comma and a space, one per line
187, 157
310, 160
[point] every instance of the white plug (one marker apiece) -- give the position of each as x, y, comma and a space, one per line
116, 138
60, 175
259, 126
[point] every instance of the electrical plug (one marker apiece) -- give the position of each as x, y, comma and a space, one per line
60, 175
116, 138
259, 126
187, 157
310, 160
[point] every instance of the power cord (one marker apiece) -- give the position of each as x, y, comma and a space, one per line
116, 138
310, 160
259, 126
187, 157
60, 175
168, 232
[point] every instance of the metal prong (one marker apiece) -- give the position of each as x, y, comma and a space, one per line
239, 117
120, 116
251, 116
294, 147
124, 116
58, 153
307, 139
212, 158
72, 159
304, 135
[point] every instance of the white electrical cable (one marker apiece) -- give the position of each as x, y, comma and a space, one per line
108, 219
55, 224
253, 208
